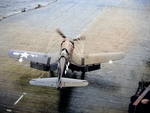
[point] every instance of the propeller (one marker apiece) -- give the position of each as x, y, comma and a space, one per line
63, 36
59, 32
79, 39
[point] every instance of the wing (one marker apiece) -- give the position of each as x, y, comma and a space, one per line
42, 58
96, 58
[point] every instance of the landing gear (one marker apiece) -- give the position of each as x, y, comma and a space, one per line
58, 89
72, 70
83, 75
52, 74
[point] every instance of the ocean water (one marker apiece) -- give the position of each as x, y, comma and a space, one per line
11, 7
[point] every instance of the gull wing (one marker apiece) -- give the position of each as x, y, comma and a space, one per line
42, 58
96, 58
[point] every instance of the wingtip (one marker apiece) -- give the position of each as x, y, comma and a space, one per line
10, 53
32, 82
86, 83
123, 55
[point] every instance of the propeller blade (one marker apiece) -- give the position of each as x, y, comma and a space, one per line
79, 39
60, 33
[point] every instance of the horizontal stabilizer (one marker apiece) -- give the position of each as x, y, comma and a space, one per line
50, 82
53, 82
67, 82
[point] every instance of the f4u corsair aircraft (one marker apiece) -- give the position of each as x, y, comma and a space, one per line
62, 61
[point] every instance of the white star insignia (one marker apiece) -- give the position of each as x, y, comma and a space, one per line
24, 54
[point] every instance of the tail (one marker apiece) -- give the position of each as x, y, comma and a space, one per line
53, 82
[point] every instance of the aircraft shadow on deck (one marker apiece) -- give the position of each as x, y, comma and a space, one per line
66, 95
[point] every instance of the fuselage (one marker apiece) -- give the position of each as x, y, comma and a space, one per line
65, 57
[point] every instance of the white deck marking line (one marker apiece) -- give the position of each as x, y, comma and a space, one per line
19, 99
94, 19
9, 110
41, 76
78, 36
84, 29
119, 2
